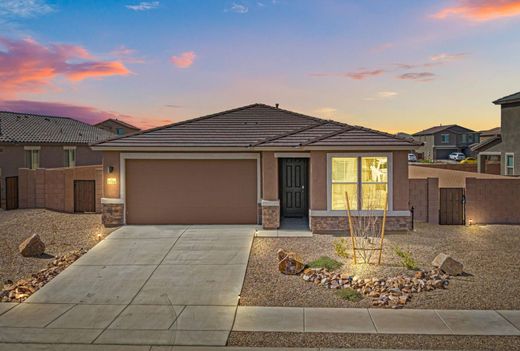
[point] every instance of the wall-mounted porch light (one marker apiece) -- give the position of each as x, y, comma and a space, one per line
110, 169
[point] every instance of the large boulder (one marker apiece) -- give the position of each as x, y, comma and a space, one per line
289, 262
448, 265
32, 246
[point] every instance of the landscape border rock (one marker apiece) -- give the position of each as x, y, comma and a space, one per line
23, 288
448, 264
392, 292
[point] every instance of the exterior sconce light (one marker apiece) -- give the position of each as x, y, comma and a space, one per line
111, 181
110, 169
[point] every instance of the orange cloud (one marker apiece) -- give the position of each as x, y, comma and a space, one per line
184, 60
481, 10
28, 66
87, 114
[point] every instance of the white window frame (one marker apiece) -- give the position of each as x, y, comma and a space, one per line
442, 139
360, 212
512, 167
71, 162
33, 150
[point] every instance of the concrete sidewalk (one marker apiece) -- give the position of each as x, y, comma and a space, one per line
143, 285
380, 321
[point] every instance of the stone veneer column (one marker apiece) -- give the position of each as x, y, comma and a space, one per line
270, 214
113, 212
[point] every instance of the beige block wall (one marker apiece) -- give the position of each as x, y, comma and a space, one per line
424, 197
493, 201
54, 188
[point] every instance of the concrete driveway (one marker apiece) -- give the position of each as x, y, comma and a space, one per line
150, 285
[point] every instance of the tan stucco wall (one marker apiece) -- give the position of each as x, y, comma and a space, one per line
111, 158
318, 180
269, 176
400, 180
13, 157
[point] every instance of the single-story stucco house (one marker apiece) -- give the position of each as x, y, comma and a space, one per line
255, 164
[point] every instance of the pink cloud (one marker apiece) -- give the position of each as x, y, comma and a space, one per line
28, 66
356, 75
481, 10
87, 114
184, 60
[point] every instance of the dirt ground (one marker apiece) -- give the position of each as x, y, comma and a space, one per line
489, 254
61, 233
370, 341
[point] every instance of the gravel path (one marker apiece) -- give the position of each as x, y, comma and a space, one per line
489, 253
419, 342
61, 233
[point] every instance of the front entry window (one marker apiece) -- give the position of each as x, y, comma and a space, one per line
344, 180
364, 179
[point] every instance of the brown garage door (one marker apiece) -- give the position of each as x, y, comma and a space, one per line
191, 192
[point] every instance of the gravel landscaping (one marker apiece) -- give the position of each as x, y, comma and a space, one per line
61, 233
370, 341
489, 254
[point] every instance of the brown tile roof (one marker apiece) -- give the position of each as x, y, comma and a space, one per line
120, 122
24, 128
260, 126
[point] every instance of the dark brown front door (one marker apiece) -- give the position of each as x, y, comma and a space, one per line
293, 187
451, 206
11, 193
84, 196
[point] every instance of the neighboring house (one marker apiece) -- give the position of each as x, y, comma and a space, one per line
255, 164
35, 141
488, 163
117, 127
505, 147
439, 142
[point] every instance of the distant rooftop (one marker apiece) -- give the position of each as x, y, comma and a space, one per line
437, 129
118, 121
23, 128
508, 99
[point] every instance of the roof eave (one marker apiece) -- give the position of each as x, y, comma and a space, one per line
260, 148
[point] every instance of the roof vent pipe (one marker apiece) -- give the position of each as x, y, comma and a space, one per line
276, 105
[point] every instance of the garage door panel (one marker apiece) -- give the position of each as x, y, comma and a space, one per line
191, 191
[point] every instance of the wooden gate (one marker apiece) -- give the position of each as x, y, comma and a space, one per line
452, 206
11, 193
84, 196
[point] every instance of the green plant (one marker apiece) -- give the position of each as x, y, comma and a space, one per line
341, 248
349, 294
407, 259
325, 262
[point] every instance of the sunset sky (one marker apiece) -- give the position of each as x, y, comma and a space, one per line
390, 65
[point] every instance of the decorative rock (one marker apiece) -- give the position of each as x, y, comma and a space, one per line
447, 264
22, 289
32, 246
289, 262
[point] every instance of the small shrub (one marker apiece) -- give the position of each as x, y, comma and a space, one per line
341, 248
407, 259
325, 262
349, 294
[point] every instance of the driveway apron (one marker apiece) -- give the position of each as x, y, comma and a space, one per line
149, 285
